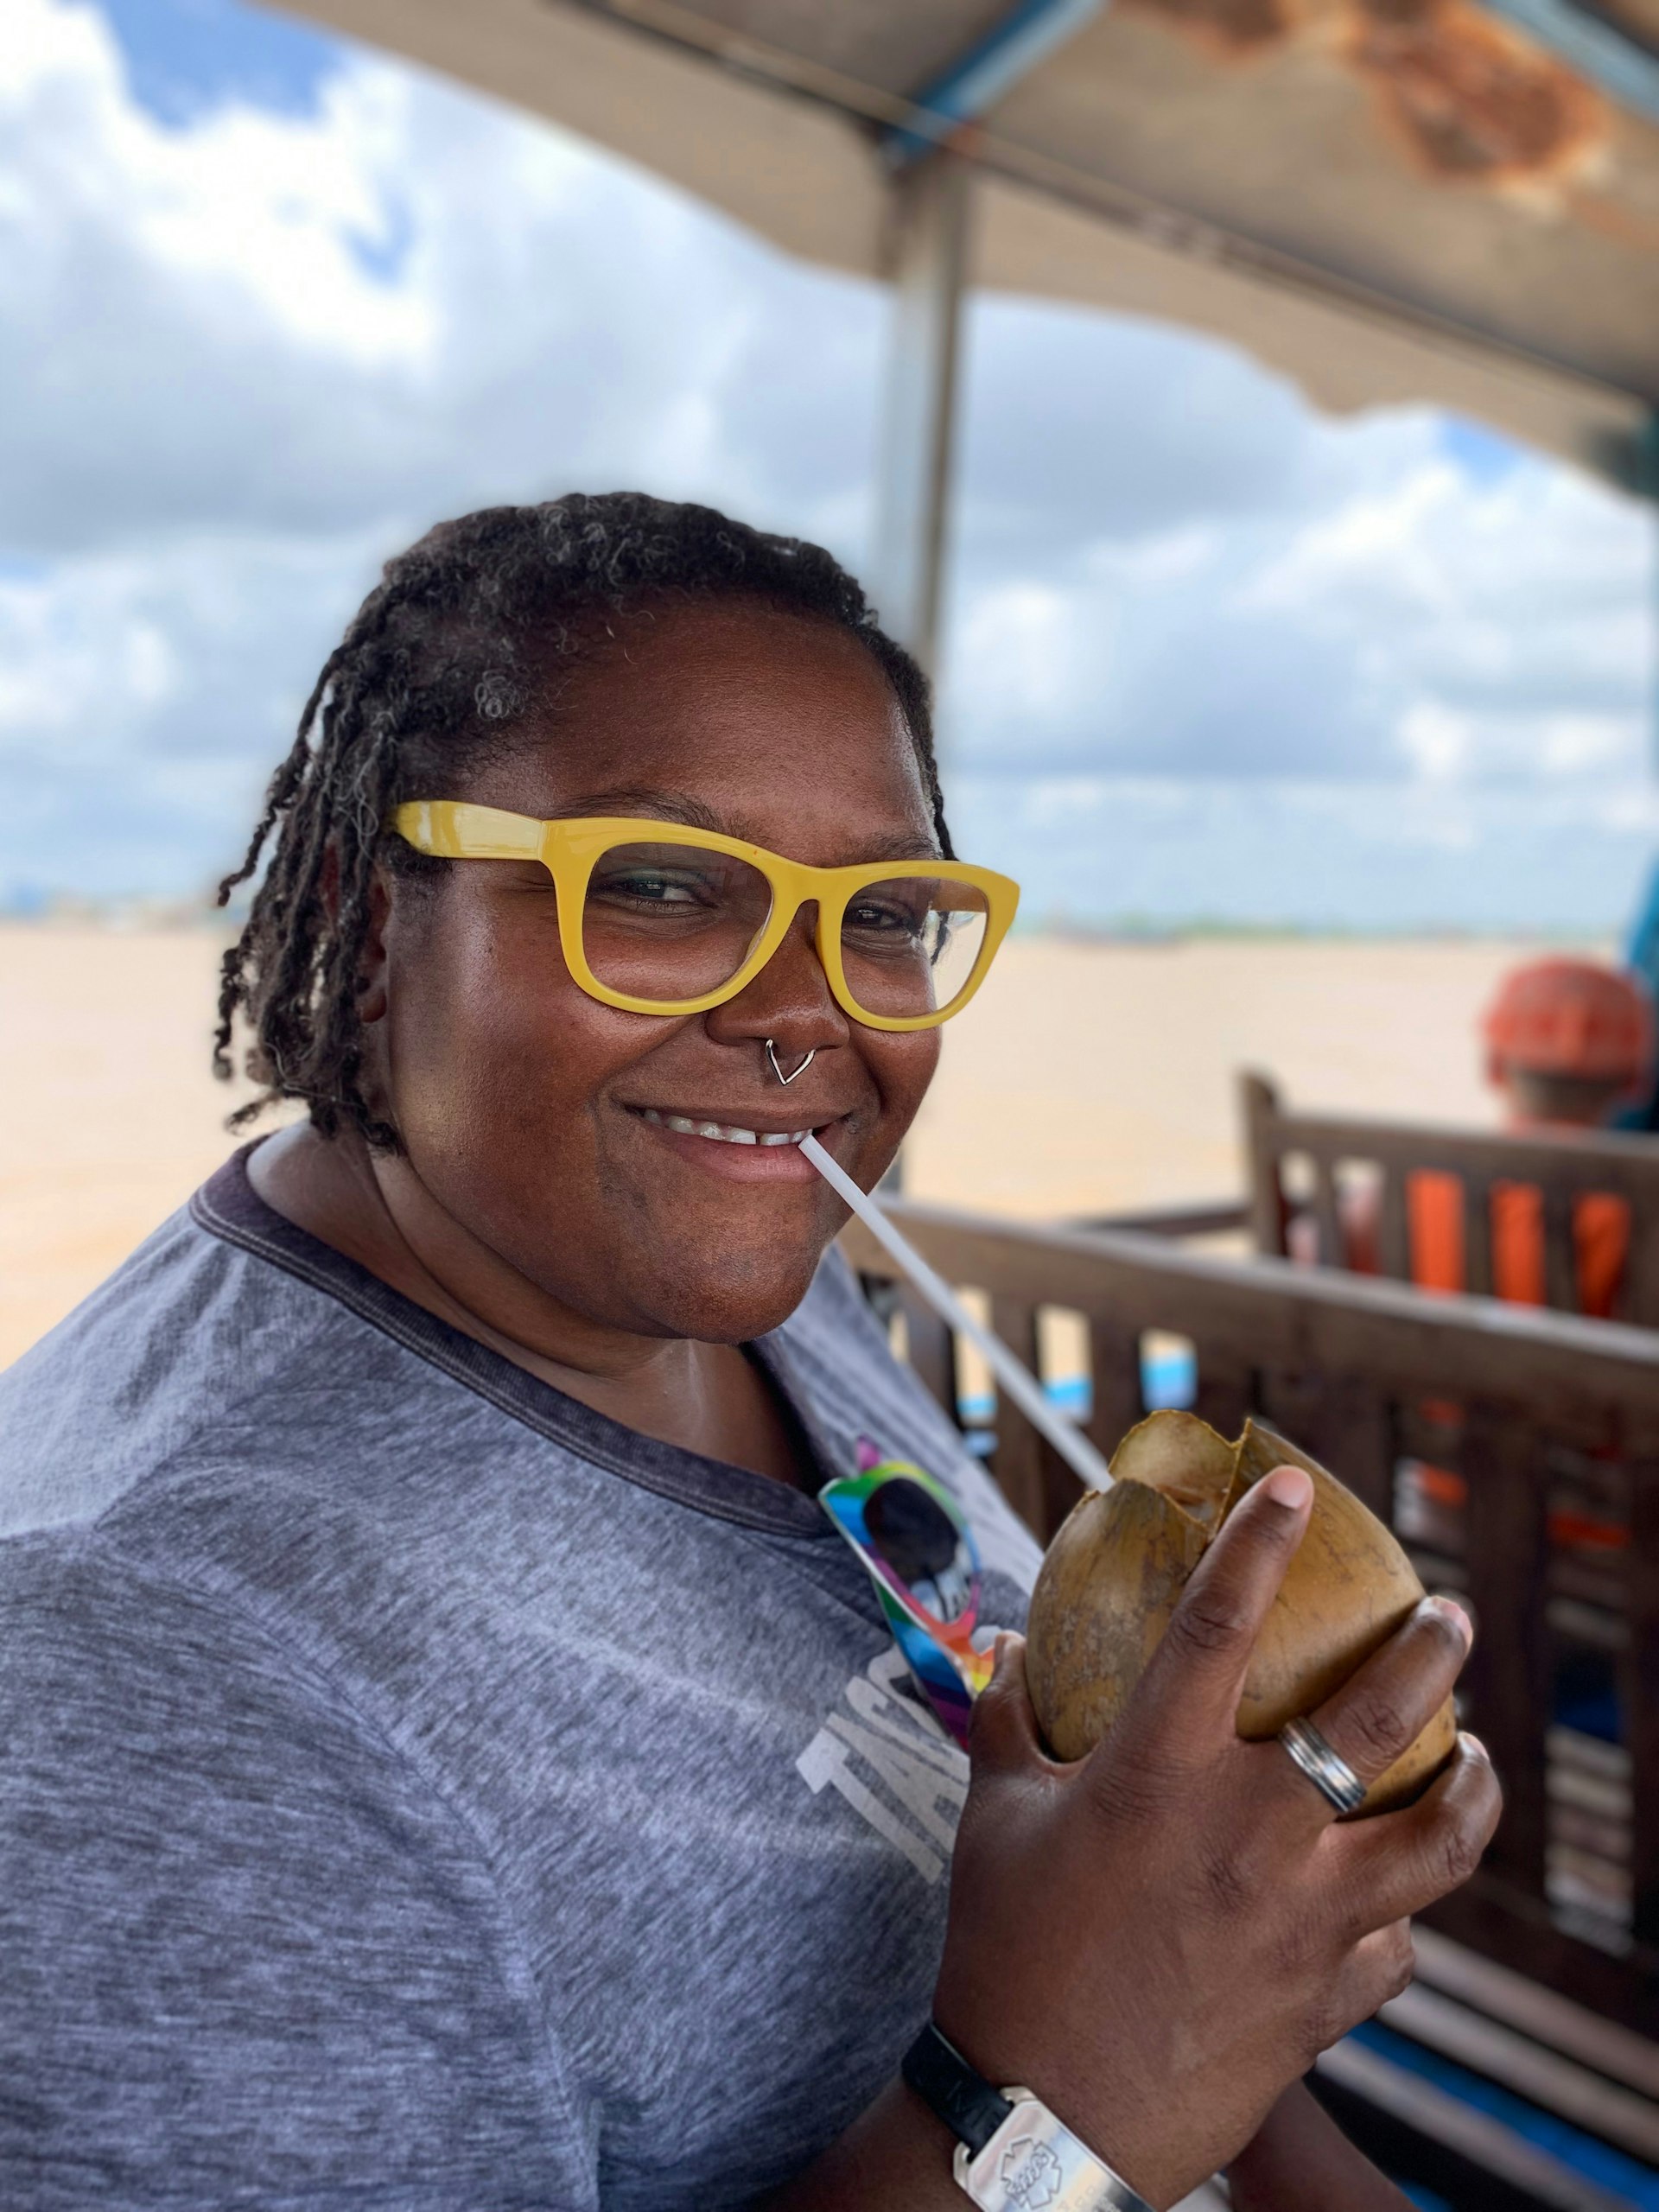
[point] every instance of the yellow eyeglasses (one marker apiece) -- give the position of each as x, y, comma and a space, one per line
657, 919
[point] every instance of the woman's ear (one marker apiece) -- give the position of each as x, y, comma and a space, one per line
371, 977
372, 961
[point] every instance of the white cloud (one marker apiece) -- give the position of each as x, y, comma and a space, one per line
215, 342
242, 358
1401, 619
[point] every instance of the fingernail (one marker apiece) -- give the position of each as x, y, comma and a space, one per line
1289, 1487
998, 1649
1450, 1610
1477, 1746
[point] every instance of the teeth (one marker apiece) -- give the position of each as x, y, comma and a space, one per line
721, 1132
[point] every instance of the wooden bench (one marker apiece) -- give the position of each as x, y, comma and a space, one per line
1528, 1408
1299, 1163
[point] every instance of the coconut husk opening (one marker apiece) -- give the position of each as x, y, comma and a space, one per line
1116, 1568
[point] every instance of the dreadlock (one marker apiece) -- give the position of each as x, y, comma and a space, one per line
437, 666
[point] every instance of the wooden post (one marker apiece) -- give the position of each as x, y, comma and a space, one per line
1507, 1680
931, 208
931, 1349
1352, 1433
1642, 1266
1327, 1214
1641, 1688
1561, 1250
1115, 1378
1018, 1463
1259, 1103
1478, 1236
1393, 1228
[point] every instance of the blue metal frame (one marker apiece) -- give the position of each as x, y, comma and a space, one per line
975, 81
1627, 72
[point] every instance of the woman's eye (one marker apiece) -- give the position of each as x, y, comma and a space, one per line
884, 921
649, 890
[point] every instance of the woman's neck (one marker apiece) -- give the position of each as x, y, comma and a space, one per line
707, 1398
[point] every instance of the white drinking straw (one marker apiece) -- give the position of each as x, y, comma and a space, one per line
1021, 1386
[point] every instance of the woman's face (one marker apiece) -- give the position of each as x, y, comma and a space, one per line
523, 1104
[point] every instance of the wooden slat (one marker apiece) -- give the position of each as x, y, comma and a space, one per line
1493, 2048
1508, 1679
1586, 1160
1226, 1392
1488, 1914
1115, 1374
1018, 1461
1573, 2030
1205, 1217
1393, 1239
1561, 1163
1560, 1257
1641, 1290
1333, 1251
1352, 1433
933, 1349
1477, 1235
1486, 2143
1640, 1682
1259, 1102
1568, 1371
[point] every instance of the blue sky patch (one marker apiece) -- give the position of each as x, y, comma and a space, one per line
185, 58
383, 254
1483, 455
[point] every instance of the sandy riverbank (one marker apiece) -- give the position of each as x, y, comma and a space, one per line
1084, 1077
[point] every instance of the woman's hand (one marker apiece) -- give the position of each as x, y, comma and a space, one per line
1159, 1939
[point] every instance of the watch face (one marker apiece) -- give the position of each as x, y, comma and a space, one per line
1035, 2163
1031, 2174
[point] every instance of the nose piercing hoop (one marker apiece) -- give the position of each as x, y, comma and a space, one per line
772, 1054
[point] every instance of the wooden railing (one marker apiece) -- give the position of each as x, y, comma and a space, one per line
1542, 1434
1564, 1166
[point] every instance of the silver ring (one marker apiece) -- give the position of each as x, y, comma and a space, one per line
1328, 1772
772, 1054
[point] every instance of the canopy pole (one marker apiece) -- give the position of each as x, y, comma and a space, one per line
928, 261
930, 220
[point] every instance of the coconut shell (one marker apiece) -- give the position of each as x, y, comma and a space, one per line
1115, 1570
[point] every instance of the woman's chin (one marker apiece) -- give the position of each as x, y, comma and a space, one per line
731, 1305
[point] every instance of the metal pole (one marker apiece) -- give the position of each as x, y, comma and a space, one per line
927, 263
929, 258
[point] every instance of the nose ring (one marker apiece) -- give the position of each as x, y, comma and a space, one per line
772, 1054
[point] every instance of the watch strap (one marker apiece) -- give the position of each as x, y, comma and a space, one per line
1013, 2154
961, 2095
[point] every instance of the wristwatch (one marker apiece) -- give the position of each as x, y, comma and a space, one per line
1012, 2155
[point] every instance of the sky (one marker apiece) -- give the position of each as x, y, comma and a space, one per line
270, 304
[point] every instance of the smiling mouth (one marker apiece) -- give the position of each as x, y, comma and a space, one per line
720, 1132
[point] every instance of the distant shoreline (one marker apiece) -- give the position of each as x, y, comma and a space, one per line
1132, 933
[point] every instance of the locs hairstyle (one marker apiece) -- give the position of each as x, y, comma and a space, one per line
456, 645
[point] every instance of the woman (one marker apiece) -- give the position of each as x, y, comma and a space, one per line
452, 1761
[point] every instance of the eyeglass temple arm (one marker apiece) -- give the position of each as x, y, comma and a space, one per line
1015, 1378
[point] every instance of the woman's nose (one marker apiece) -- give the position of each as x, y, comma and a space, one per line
789, 1001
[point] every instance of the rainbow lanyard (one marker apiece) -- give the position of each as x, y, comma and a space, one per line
914, 1539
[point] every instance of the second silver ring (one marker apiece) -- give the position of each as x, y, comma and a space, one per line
1326, 1768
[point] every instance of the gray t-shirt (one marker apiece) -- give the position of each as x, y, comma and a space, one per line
417, 1790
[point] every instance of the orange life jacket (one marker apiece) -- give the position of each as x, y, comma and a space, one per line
1601, 1239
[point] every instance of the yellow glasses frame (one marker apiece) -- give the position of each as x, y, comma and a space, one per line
453, 829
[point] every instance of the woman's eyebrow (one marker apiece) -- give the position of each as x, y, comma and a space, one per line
651, 805
693, 814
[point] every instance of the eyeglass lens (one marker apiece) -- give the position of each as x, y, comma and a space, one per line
673, 922
923, 1546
